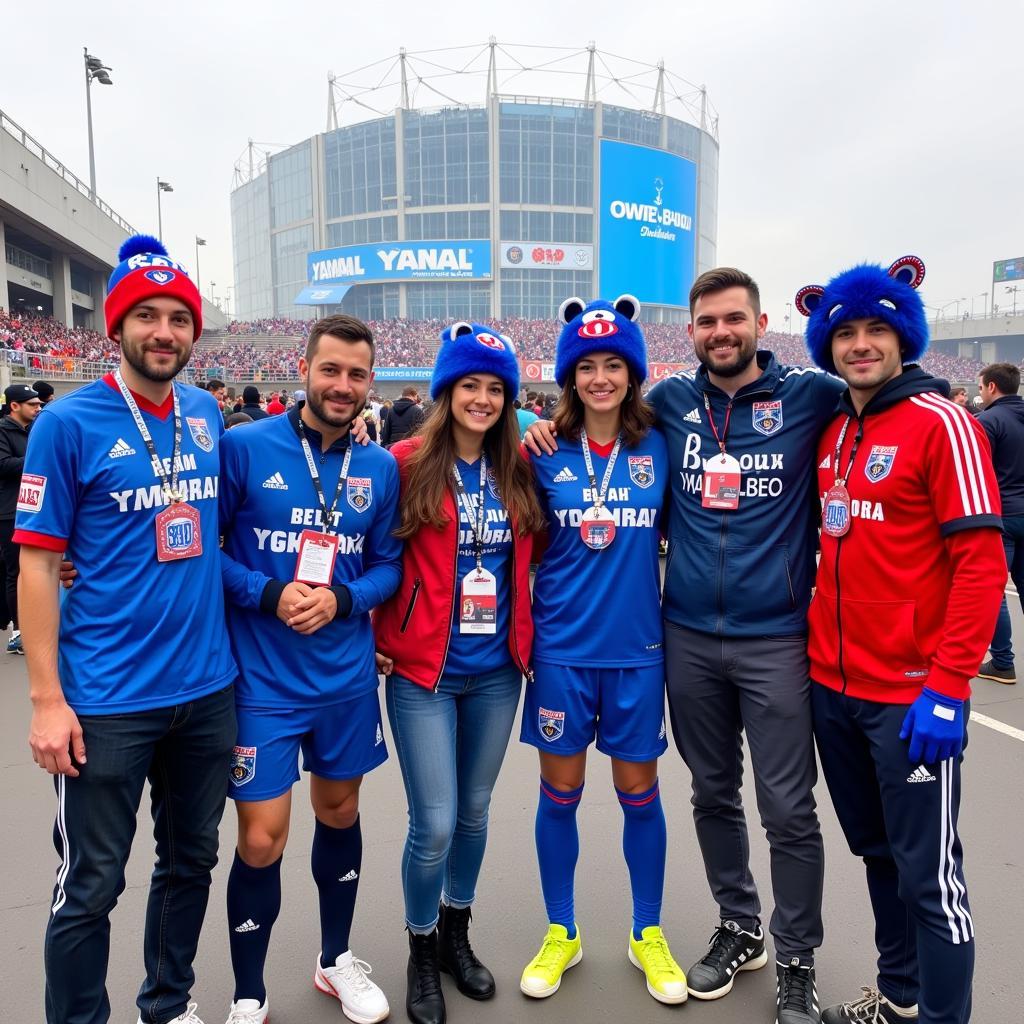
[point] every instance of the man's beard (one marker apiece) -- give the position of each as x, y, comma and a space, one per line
313, 401
743, 360
136, 357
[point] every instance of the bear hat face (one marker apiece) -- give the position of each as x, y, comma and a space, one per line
600, 326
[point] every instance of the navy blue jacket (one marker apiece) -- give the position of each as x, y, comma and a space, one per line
747, 571
1003, 421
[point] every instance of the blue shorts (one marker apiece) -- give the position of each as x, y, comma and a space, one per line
564, 708
341, 741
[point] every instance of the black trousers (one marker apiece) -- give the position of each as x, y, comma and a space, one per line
10, 552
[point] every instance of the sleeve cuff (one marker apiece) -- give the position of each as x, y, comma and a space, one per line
344, 598
271, 596
39, 540
949, 684
970, 523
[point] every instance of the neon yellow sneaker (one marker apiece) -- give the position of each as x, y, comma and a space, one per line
665, 978
557, 954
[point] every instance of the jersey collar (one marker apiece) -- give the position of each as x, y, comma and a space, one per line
161, 412
314, 437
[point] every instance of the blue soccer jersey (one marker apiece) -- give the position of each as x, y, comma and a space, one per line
600, 608
477, 653
267, 500
135, 633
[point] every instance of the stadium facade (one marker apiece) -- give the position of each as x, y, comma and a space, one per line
499, 209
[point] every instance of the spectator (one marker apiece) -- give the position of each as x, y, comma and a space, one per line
251, 404
524, 416
236, 419
404, 419
275, 406
44, 391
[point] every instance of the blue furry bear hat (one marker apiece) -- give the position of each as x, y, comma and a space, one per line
474, 348
600, 326
867, 291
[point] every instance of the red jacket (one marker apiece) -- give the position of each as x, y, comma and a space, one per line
414, 626
908, 597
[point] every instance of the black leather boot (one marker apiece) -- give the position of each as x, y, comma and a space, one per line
456, 957
424, 1000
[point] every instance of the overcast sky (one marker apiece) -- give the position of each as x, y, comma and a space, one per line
849, 131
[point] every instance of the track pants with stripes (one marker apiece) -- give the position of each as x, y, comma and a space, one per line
902, 819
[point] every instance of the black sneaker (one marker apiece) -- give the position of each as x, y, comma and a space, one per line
796, 998
731, 950
871, 1008
990, 670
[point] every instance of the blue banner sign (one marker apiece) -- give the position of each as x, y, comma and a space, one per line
400, 261
648, 209
403, 373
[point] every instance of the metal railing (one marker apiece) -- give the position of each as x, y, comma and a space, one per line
42, 153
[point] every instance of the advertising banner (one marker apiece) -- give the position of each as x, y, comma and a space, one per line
402, 372
536, 372
400, 261
546, 255
1008, 270
648, 207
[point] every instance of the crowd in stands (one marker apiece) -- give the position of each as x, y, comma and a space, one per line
232, 355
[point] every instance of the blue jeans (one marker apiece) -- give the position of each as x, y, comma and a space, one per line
450, 744
1013, 542
185, 752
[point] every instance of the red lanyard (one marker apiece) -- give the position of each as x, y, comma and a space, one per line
725, 426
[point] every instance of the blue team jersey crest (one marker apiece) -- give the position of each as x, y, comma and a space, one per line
243, 765
767, 417
879, 464
550, 723
492, 483
641, 470
200, 432
359, 492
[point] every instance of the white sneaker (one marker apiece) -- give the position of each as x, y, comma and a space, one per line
249, 1011
361, 1000
190, 1016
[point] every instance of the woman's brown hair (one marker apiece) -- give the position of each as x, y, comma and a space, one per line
430, 471
637, 415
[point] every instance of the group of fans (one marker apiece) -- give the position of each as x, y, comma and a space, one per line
287, 534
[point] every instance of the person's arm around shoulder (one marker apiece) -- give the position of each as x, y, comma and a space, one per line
540, 438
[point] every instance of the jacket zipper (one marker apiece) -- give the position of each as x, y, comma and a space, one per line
723, 530
451, 614
839, 614
417, 583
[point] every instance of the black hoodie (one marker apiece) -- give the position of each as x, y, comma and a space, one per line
403, 419
1003, 421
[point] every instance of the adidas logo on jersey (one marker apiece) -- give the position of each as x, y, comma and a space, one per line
275, 483
380, 737
565, 476
693, 416
661, 731
920, 774
121, 449
350, 877
825, 462
248, 926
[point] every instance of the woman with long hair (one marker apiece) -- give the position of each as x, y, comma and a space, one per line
597, 659
455, 641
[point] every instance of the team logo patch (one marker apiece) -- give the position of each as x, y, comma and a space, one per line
641, 470
879, 464
359, 492
492, 484
767, 417
200, 432
550, 723
243, 765
31, 492
160, 277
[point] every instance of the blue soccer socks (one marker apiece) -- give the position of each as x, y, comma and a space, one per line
558, 849
644, 842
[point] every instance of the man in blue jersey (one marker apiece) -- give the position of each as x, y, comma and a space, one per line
742, 433
131, 679
309, 549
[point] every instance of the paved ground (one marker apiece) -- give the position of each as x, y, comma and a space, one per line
509, 914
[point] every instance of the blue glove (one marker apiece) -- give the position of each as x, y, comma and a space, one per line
935, 725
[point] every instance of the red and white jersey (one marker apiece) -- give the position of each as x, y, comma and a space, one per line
908, 597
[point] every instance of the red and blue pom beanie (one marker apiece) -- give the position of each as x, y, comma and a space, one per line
146, 270
474, 348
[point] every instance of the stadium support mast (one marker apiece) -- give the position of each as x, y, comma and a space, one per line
703, 108
590, 92
492, 69
658, 107
332, 110
405, 79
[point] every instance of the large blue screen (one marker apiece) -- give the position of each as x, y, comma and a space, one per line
648, 208
400, 261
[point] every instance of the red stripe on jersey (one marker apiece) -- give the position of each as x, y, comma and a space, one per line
31, 539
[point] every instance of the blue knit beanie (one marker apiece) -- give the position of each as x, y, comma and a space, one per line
473, 348
867, 291
600, 327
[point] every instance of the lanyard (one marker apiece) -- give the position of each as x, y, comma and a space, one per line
170, 486
711, 420
599, 500
841, 480
330, 516
475, 521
